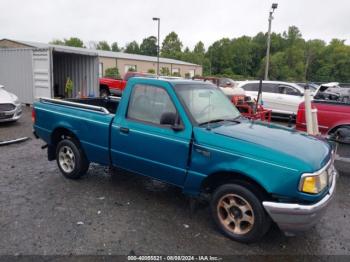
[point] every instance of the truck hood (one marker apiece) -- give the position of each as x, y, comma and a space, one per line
273, 143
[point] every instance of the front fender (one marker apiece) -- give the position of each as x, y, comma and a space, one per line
275, 179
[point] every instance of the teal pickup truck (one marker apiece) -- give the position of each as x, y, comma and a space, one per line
188, 134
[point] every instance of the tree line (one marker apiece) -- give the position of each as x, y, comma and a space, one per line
292, 58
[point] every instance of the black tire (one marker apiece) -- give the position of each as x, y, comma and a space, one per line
79, 161
104, 92
341, 135
255, 223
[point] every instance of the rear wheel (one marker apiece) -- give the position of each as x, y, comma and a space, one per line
71, 159
239, 214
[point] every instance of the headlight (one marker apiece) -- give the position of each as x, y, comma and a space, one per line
314, 183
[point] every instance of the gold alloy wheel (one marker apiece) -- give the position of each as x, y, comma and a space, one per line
235, 214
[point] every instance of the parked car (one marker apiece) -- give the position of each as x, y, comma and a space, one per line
227, 82
282, 98
188, 134
10, 108
333, 110
112, 86
312, 86
227, 85
333, 92
230, 87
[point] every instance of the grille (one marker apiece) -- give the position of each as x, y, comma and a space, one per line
6, 116
7, 107
330, 171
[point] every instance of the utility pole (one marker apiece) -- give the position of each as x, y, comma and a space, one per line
158, 47
273, 7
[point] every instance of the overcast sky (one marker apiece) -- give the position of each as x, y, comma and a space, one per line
193, 20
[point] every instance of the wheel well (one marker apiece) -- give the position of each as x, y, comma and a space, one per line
61, 133
103, 86
57, 135
337, 127
215, 180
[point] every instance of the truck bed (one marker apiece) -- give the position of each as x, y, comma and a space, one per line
111, 104
88, 119
107, 105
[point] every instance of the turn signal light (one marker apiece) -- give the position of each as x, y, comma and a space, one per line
314, 183
309, 185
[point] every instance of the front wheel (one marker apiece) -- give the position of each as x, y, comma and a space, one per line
71, 159
239, 214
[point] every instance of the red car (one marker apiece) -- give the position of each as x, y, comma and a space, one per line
333, 112
112, 86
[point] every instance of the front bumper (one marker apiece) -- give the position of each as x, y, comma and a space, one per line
295, 218
13, 115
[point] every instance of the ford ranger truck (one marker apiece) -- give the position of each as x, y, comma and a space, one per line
188, 134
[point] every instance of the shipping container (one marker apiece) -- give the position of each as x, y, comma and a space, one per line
31, 73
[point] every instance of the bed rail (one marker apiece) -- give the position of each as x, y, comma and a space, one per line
75, 104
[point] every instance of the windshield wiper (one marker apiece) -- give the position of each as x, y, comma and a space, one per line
219, 120
212, 121
238, 117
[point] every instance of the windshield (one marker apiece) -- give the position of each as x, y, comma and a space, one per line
313, 87
206, 103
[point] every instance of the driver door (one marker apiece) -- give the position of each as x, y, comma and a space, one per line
141, 144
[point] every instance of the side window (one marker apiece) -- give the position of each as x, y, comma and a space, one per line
288, 90
251, 87
269, 88
148, 103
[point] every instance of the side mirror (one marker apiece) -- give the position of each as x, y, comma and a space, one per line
169, 118
177, 128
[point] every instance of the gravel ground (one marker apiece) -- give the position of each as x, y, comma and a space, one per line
110, 212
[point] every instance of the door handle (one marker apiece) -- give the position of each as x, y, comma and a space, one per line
124, 130
202, 151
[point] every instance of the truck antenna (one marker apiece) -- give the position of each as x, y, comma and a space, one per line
258, 97
209, 111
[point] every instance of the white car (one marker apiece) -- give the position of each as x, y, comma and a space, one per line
282, 98
10, 108
230, 87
